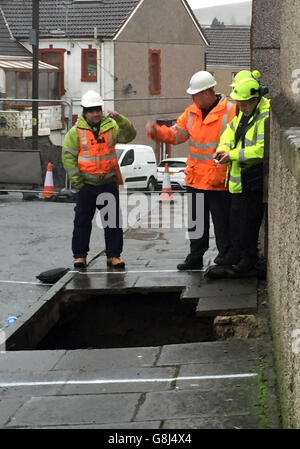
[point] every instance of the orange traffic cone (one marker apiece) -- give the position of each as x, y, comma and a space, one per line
166, 194
48, 185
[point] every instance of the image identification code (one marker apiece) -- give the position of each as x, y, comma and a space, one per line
167, 439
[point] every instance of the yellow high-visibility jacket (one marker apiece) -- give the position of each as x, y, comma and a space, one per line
252, 152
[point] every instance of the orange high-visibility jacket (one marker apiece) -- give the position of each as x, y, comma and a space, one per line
202, 171
96, 156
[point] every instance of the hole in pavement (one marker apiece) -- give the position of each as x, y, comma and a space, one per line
127, 321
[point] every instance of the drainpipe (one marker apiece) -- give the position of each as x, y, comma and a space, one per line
34, 40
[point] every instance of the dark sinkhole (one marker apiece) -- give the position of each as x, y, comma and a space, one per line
129, 320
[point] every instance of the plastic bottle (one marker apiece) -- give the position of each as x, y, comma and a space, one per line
11, 320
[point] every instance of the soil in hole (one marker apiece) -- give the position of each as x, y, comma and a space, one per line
128, 321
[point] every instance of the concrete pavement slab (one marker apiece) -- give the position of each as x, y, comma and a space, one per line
115, 358
22, 361
208, 352
239, 421
74, 410
8, 407
101, 281
221, 289
217, 368
228, 287
164, 281
214, 383
98, 281
190, 403
111, 426
227, 305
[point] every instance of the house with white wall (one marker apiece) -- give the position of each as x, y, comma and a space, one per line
139, 54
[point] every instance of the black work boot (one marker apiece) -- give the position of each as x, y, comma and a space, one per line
245, 265
80, 262
218, 259
115, 262
230, 258
191, 263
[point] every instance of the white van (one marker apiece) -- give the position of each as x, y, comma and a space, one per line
138, 166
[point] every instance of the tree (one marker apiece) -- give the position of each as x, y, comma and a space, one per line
217, 23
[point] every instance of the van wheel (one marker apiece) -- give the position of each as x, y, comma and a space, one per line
151, 186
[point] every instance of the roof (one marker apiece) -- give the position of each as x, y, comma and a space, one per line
23, 63
8, 45
76, 19
229, 46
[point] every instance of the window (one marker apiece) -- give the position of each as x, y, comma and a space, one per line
89, 64
18, 80
128, 158
119, 152
55, 56
49, 85
233, 75
155, 71
19, 84
176, 164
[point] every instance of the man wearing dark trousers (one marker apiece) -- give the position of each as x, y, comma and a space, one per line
90, 160
202, 123
241, 148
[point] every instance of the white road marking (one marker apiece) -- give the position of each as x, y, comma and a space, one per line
133, 271
22, 282
123, 381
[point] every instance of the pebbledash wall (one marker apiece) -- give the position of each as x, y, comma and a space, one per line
276, 51
19, 123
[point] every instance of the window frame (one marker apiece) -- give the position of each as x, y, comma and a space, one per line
155, 89
60, 52
85, 77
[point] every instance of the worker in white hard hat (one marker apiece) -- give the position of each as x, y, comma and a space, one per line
90, 160
202, 123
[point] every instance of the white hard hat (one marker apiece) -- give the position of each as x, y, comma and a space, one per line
201, 81
91, 99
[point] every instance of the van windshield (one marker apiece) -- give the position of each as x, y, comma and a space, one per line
119, 152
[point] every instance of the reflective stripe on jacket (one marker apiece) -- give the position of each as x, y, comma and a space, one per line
96, 156
203, 135
252, 152
94, 161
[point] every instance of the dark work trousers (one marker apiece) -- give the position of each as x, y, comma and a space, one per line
246, 216
218, 204
89, 198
